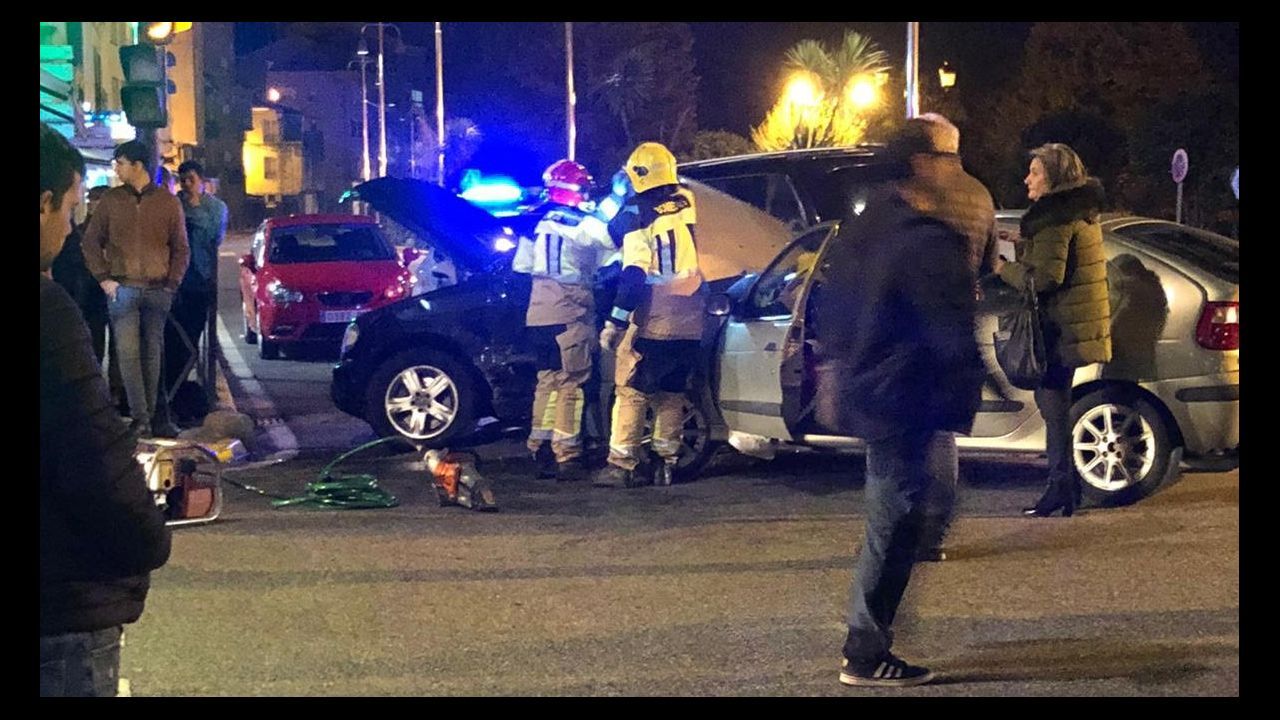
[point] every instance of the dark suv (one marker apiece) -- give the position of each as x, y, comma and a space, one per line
443, 365
799, 187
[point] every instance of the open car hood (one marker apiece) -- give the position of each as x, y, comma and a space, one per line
734, 237
439, 218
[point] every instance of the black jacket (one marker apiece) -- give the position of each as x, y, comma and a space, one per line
893, 316
100, 531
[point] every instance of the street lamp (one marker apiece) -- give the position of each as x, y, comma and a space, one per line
802, 91
382, 90
946, 76
862, 92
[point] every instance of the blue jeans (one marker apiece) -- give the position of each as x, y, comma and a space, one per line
81, 664
910, 491
137, 322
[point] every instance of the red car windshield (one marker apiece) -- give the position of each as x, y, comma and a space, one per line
328, 243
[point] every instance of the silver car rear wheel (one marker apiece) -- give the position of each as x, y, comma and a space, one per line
1121, 445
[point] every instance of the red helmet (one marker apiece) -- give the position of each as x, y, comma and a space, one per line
567, 182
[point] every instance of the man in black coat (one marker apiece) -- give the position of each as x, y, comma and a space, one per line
100, 530
897, 365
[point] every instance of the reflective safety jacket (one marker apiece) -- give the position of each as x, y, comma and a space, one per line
567, 248
656, 231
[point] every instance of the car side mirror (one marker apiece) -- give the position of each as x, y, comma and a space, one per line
246, 262
409, 256
719, 305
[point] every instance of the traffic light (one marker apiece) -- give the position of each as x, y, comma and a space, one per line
161, 33
144, 93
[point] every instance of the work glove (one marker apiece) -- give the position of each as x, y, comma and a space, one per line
611, 337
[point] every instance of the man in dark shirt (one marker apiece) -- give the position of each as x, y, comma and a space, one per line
100, 530
206, 221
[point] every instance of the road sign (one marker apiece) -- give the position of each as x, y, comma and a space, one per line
1180, 165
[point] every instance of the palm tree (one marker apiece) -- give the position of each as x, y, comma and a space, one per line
820, 108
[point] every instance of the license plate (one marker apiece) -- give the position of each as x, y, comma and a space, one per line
338, 316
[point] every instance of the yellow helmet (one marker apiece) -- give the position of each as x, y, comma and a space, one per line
651, 165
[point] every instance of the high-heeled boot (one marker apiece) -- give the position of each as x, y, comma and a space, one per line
1059, 494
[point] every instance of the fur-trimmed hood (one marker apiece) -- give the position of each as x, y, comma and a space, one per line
939, 188
1083, 202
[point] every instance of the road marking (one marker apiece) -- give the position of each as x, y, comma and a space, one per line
258, 403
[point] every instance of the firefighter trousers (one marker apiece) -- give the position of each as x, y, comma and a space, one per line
657, 378
564, 366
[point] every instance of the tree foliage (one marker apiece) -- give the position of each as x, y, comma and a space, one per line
831, 118
635, 83
1088, 85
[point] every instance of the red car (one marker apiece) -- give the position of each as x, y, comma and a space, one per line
307, 276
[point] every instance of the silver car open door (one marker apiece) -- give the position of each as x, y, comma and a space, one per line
760, 334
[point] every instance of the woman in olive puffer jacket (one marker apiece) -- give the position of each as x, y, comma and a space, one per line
1063, 257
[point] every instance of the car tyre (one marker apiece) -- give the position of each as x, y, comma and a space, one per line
698, 448
1122, 446
268, 350
452, 387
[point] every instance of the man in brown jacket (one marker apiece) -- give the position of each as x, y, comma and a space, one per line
136, 248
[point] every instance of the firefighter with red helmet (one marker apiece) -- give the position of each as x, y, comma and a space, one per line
656, 323
562, 257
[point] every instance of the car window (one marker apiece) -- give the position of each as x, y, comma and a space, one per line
771, 192
1214, 254
844, 192
328, 243
776, 292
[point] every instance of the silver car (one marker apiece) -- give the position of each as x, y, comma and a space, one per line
1173, 385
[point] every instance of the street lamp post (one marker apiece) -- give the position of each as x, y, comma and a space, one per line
439, 106
571, 98
913, 69
366, 172
382, 90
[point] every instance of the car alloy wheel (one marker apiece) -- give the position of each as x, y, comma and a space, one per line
696, 446
421, 402
1121, 445
1114, 447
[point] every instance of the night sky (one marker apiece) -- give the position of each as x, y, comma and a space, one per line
739, 63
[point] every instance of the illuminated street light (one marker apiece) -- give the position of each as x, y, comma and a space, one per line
802, 91
273, 95
161, 33
862, 93
946, 76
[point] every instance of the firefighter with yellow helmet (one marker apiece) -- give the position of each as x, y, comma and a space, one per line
567, 248
656, 322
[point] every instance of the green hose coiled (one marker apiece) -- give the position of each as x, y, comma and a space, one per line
345, 491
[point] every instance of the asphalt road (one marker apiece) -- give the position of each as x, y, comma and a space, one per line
732, 585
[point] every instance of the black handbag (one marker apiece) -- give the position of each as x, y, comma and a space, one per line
1019, 341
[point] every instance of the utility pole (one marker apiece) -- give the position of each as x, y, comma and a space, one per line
382, 109
439, 105
913, 69
571, 98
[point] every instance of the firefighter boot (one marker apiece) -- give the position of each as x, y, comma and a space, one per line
544, 461
613, 476
665, 473
570, 471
